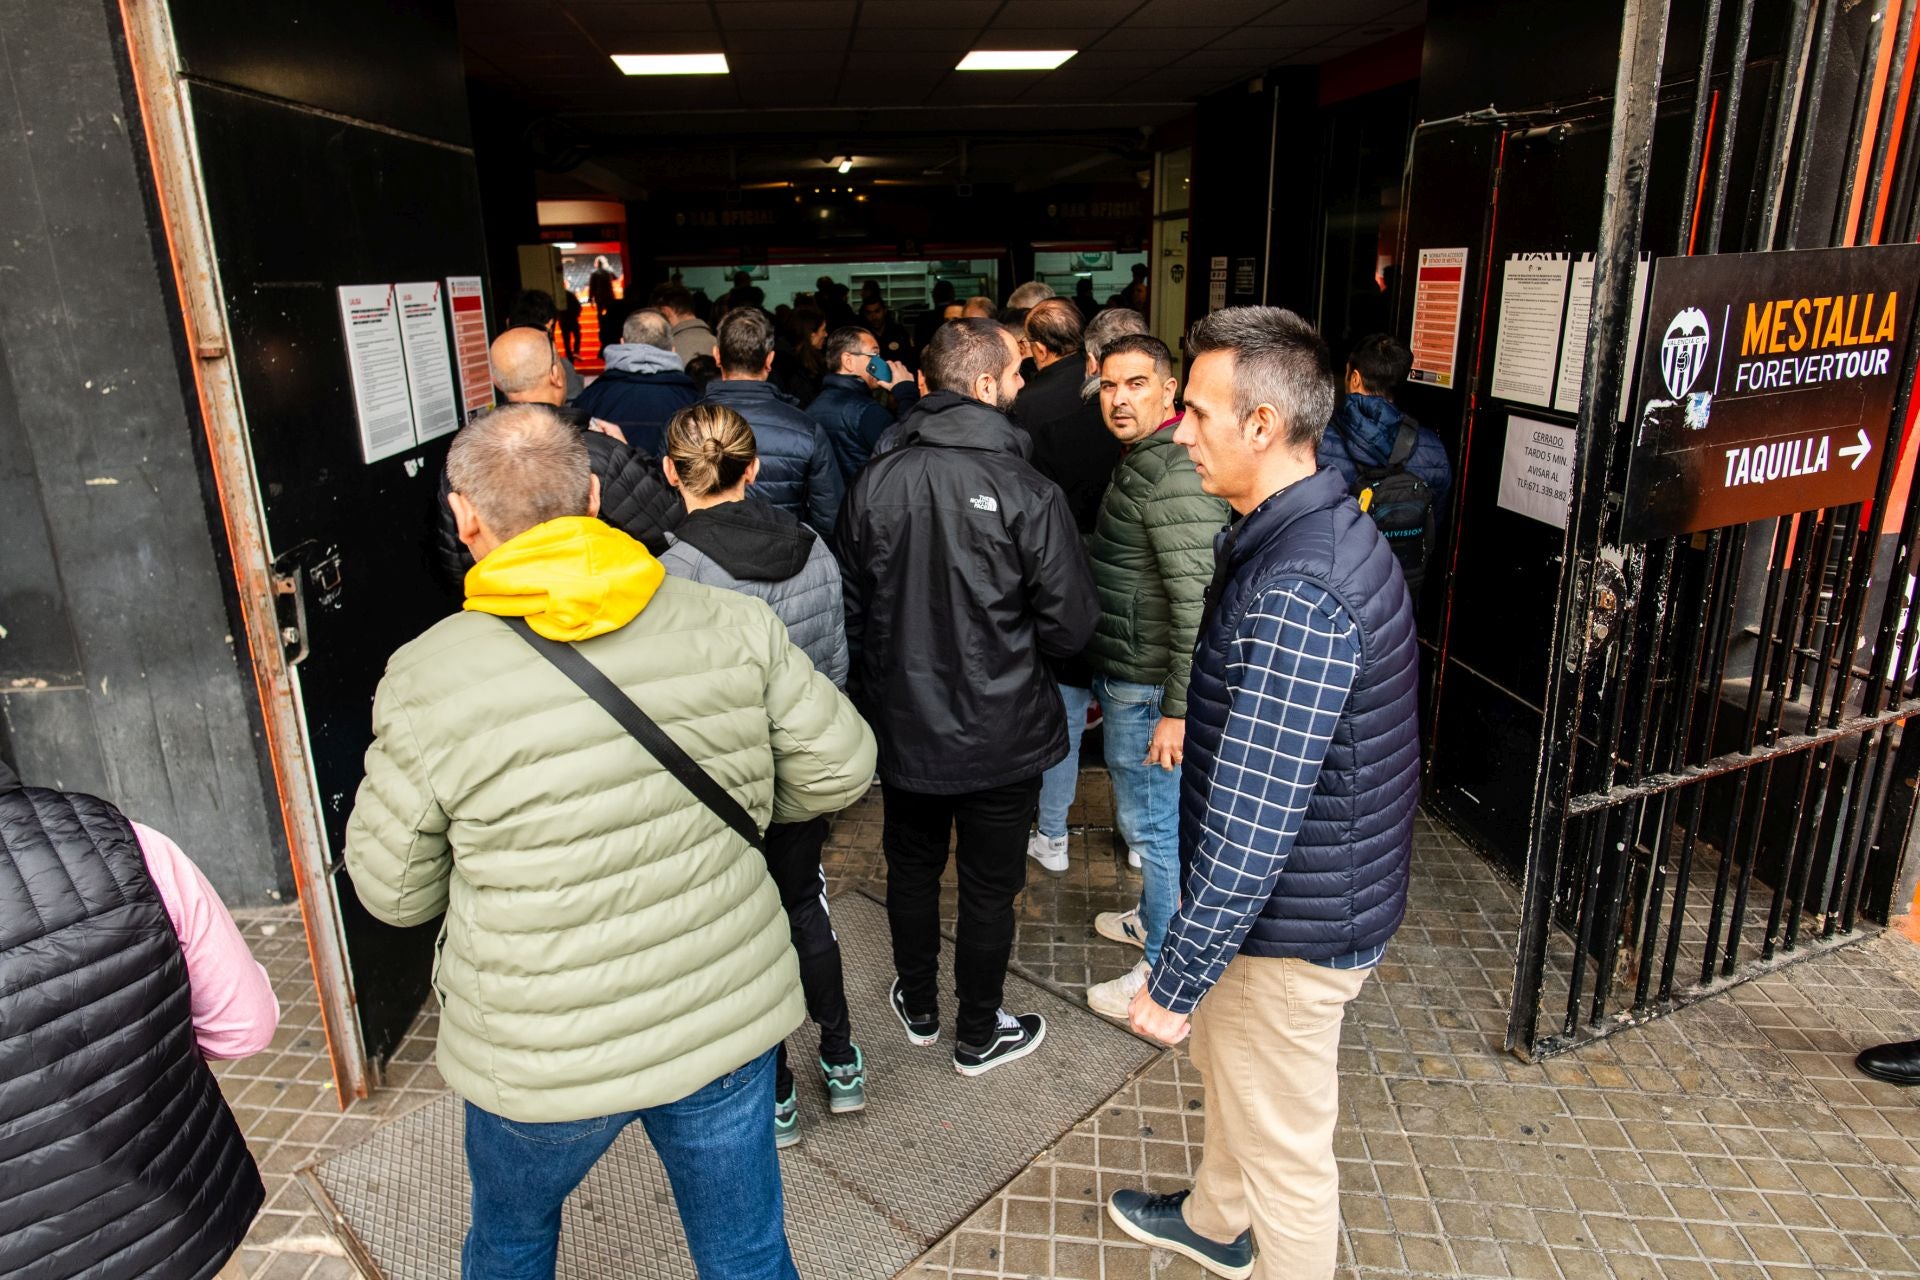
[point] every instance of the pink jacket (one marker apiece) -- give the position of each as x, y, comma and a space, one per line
234, 1008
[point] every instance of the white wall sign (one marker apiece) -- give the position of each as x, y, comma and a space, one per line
1573, 341
1536, 470
470, 342
370, 316
423, 334
1533, 297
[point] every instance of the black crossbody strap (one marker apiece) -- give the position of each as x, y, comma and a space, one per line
595, 684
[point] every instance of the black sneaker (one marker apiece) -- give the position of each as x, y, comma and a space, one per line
919, 1030
1157, 1220
1012, 1038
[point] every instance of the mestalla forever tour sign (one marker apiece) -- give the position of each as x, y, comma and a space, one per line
1766, 384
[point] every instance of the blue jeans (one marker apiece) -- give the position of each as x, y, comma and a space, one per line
1057, 784
716, 1144
1146, 800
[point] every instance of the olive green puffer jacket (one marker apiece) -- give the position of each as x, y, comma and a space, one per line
1152, 550
609, 943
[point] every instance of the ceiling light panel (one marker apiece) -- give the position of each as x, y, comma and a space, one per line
671, 64
1014, 59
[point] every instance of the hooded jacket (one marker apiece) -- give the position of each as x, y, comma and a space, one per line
693, 337
1152, 550
797, 470
1071, 444
643, 387
120, 1156
963, 572
609, 943
1362, 433
634, 498
761, 550
854, 420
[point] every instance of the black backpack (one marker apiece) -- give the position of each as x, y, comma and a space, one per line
1400, 502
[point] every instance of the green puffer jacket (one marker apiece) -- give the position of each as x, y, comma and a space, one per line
609, 944
1152, 550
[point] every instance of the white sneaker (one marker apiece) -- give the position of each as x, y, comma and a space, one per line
1133, 859
1114, 998
1122, 926
1049, 851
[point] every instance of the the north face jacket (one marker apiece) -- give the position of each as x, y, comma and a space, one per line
753, 547
1152, 550
964, 572
1344, 886
609, 943
118, 1156
854, 420
635, 498
640, 392
797, 469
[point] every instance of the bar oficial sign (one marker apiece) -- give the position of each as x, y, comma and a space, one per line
1766, 384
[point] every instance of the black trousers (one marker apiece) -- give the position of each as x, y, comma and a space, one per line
793, 858
991, 859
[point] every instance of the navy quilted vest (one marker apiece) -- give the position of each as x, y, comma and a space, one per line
118, 1156
1344, 888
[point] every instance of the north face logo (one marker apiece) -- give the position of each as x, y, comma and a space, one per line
983, 503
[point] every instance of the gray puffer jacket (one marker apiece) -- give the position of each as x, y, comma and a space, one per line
756, 548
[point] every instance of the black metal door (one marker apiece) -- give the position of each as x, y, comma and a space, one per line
1720, 782
369, 181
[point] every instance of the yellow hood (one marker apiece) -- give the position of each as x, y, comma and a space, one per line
572, 579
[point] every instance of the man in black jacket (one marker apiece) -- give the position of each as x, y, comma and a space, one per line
634, 494
798, 472
1071, 445
963, 572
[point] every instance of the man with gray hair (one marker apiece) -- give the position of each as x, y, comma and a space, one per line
1299, 782
1029, 295
578, 882
1102, 330
634, 496
645, 383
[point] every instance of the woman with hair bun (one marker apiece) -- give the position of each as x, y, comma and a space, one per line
743, 544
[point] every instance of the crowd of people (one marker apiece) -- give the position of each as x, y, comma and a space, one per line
847, 552
710, 598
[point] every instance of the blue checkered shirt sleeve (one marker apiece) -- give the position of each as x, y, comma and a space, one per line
1290, 667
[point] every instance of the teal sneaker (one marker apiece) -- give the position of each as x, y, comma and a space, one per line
786, 1119
846, 1084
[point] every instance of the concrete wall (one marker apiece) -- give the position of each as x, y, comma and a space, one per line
119, 669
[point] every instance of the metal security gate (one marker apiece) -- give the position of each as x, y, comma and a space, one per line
1723, 781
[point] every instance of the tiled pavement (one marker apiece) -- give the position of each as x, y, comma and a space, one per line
1730, 1140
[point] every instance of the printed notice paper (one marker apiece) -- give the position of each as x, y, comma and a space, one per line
1536, 470
470, 343
1533, 295
371, 317
423, 333
1438, 287
1573, 343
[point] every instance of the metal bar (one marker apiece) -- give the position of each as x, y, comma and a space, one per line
1869, 231
1815, 91
1820, 767
1796, 855
1736, 93
1856, 141
1643, 36
1670, 961
1793, 71
1733, 761
1583, 940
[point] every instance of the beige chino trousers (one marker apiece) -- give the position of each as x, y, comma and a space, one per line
1267, 1040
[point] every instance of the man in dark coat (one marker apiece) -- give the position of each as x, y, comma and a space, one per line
634, 494
963, 572
798, 472
1071, 445
1300, 779
645, 383
846, 407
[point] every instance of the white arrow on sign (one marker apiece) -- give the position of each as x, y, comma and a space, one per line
1858, 452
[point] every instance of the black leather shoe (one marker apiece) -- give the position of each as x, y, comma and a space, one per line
1897, 1063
